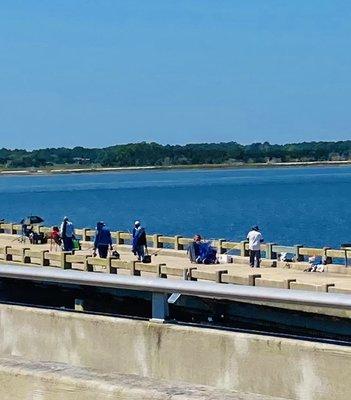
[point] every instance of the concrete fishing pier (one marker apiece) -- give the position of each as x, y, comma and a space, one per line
63, 353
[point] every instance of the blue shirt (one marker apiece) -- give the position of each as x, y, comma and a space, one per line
103, 237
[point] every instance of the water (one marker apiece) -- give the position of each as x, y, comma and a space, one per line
309, 206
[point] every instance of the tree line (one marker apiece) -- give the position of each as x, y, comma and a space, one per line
154, 154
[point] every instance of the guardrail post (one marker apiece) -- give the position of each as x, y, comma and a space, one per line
297, 252
110, 269
177, 245
133, 270
328, 260
25, 259
160, 309
8, 257
85, 237
270, 254
155, 241
243, 251
64, 263
88, 267
220, 249
119, 240
43, 260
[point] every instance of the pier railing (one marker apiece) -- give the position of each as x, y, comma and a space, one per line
179, 243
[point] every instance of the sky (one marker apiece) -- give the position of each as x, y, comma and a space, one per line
97, 73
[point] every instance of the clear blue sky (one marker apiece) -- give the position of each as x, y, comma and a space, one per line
97, 73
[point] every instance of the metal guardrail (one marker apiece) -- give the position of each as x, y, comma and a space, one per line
161, 288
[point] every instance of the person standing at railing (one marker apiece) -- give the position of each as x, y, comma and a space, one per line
103, 240
255, 239
139, 244
67, 234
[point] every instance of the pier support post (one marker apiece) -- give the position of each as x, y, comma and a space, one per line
297, 252
243, 251
328, 260
8, 257
155, 241
270, 254
119, 239
64, 263
25, 258
160, 309
219, 246
177, 245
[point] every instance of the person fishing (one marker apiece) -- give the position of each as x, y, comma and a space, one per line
67, 234
139, 244
255, 239
103, 240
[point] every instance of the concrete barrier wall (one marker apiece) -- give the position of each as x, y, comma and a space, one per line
226, 360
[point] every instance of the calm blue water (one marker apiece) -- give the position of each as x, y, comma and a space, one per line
310, 206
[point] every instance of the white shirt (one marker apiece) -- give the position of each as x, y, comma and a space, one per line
254, 238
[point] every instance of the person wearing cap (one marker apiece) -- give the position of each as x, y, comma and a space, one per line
103, 240
255, 239
67, 234
139, 243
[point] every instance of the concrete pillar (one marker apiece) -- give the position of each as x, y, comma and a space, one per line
119, 240
85, 237
43, 261
25, 259
155, 241
220, 249
270, 254
328, 260
243, 251
8, 257
64, 263
88, 267
160, 311
110, 268
297, 252
177, 245
133, 270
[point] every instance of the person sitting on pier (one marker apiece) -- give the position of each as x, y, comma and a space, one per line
67, 234
194, 248
139, 243
103, 240
255, 239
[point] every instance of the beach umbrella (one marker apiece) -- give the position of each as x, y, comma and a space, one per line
32, 220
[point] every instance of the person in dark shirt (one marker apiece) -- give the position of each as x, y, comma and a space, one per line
103, 240
194, 248
139, 244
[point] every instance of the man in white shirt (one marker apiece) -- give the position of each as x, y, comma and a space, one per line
67, 234
255, 239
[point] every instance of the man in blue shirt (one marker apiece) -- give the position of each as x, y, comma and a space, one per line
103, 240
139, 243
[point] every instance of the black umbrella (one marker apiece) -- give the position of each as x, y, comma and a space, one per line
32, 220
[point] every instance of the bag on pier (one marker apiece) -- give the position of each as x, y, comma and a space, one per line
76, 244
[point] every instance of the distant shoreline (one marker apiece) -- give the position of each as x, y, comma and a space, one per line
89, 170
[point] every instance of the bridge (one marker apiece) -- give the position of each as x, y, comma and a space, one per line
78, 325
